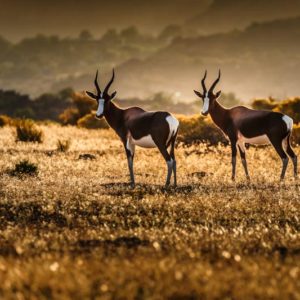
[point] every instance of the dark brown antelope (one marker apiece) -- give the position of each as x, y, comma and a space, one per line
135, 126
243, 125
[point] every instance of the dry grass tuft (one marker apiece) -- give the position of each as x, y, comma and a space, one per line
27, 131
63, 145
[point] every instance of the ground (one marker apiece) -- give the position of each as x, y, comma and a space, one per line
78, 231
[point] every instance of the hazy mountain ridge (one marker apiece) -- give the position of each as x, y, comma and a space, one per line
262, 60
225, 15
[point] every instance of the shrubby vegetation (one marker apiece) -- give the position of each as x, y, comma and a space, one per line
78, 109
290, 107
27, 131
5, 120
24, 168
45, 107
90, 121
196, 129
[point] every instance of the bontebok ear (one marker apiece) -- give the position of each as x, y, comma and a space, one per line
113, 95
198, 94
218, 94
91, 95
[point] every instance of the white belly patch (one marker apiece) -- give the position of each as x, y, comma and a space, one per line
258, 140
145, 142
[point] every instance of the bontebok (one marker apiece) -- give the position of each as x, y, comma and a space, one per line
243, 125
135, 126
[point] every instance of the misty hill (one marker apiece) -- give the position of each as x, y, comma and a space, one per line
34, 65
262, 60
225, 15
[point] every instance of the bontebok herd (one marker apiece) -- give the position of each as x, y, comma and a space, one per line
150, 129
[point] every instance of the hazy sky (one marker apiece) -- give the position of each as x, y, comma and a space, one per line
21, 18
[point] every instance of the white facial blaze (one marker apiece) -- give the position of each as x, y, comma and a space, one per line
205, 104
100, 107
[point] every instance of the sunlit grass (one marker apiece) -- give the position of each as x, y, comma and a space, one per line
77, 230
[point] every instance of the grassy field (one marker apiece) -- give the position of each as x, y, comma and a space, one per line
78, 231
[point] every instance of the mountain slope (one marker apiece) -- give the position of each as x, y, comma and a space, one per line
262, 60
225, 15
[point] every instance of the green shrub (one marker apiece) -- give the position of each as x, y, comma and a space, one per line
91, 122
24, 167
198, 129
63, 145
28, 132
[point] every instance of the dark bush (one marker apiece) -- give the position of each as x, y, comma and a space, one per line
81, 106
28, 132
198, 129
24, 167
264, 104
290, 107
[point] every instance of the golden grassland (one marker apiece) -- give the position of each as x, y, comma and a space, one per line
78, 231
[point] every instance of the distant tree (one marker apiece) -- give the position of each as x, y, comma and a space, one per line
110, 38
130, 34
50, 106
85, 35
11, 102
24, 113
4, 45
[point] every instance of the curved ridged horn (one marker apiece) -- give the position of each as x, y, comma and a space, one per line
203, 82
97, 85
110, 82
215, 83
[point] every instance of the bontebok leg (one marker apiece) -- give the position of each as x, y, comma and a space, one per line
233, 158
129, 148
244, 162
292, 155
278, 145
172, 154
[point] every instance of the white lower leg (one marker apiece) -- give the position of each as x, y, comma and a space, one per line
170, 168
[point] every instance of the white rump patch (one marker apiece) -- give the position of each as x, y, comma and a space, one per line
145, 142
289, 122
100, 107
173, 125
205, 104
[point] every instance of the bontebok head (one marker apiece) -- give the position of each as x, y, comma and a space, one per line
103, 98
208, 97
